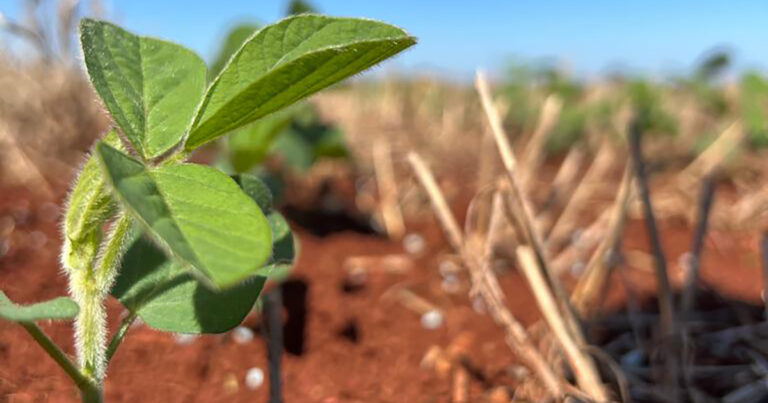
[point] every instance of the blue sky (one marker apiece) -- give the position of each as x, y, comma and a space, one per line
455, 37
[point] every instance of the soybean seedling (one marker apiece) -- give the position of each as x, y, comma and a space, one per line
296, 135
187, 248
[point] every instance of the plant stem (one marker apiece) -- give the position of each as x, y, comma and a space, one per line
273, 306
670, 355
53, 350
697, 244
666, 308
90, 287
764, 254
120, 335
91, 394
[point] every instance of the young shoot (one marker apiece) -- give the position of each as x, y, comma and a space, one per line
185, 247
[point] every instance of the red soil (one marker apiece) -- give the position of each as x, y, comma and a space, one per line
382, 365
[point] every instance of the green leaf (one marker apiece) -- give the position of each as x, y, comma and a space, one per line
309, 140
248, 146
57, 308
256, 189
283, 242
195, 212
232, 42
754, 93
294, 151
290, 60
299, 7
283, 249
168, 297
150, 87
89, 205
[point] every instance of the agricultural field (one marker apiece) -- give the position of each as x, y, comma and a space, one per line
274, 224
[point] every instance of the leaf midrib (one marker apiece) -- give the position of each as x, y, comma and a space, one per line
275, 68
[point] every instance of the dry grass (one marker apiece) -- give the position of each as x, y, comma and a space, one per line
49, 116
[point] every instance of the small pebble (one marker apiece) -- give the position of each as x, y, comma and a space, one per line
184, 339
685, 260
414, 244
576, 237
577, 268
451, 284
432, 319
254, 378
518, 371
357, 276
632, 359
448, 267
242, 335
478, 305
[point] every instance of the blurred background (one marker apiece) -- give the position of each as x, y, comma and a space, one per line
379, 306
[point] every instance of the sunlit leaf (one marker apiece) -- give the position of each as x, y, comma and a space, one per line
149, 86
287, 61
197, 213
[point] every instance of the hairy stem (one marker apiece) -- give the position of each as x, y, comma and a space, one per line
89, 288
125, 324
64, 362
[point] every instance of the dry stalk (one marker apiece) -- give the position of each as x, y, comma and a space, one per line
478, 213
524, 215
67, 20
437, 360
566, 176
583, 367
596, 173
764, 266
496, 223
396, 263
414, 302
498, 394
486, 169
28, 33
24, 167
562, 185
452, 360
586, 241
391, 214
670, 351
486, 161
706, 199
749, 207
460, 389
516, 336
444, 215
665, 292
728, 141
597, 270
533, 154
